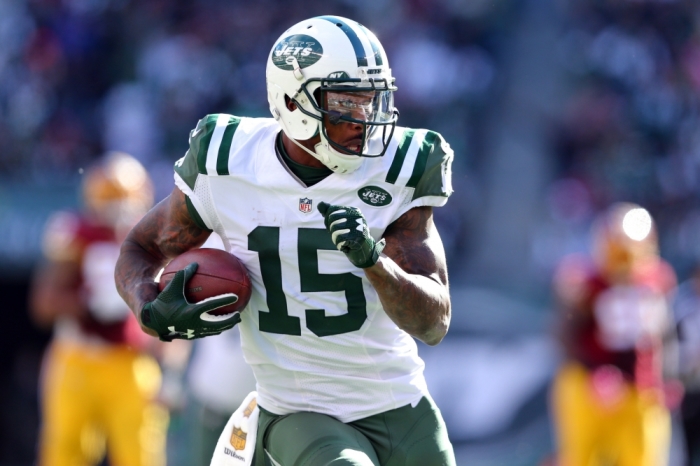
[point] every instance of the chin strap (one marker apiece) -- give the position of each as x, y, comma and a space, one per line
324, 160
319, 154
315, 155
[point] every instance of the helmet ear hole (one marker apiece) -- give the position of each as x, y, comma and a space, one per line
291, 106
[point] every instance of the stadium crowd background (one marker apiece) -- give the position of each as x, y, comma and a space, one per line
555, 109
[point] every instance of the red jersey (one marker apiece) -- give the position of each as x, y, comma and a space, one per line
615, 324
95, 249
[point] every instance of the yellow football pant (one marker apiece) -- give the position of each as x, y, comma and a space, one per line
97, 397
634, 431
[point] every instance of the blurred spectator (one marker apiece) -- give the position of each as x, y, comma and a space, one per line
565, 228
610, 396
687, 314
99, 383
629, 130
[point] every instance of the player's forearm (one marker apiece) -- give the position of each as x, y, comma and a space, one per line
417, 304
165, 232
140, 259
135, 275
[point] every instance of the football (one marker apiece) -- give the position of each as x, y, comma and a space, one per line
218, 272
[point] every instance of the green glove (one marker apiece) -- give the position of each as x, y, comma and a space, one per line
350, 234
172, 316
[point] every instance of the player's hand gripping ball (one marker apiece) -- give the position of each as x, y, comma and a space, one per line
350, 234
203, 292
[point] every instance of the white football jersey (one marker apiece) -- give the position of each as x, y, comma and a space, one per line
314, 331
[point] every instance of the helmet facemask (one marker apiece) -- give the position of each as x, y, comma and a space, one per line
367, 103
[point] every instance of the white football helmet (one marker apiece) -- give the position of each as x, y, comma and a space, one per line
332, 55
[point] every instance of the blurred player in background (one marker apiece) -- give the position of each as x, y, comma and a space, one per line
98, 383
609, 398
687, 313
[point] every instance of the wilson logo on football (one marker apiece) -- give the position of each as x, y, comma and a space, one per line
305, 49
374, 196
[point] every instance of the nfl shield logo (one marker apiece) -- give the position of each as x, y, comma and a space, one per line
305, 204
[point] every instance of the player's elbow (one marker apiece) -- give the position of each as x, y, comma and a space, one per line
435, 336
436, 330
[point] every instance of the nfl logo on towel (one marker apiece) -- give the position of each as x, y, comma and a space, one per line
305, 205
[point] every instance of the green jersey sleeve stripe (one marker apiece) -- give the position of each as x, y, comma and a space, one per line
225, 148
436, 178
222, 121
186, 167
203, 147
400, 156
425, 149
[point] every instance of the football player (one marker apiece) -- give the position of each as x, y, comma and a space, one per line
610, 395
686, 307
98, 382
329, 205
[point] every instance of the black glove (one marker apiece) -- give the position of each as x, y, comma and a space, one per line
350, 234
172, 316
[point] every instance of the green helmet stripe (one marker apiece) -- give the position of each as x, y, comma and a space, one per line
425, 149
378, 61
225, 147
400, 156
352, 36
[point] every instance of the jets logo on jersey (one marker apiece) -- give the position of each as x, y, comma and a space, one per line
305, 205
374, 196
305, 49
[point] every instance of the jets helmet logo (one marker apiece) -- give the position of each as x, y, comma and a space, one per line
305, 49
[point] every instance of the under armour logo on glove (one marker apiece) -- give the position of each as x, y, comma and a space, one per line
350, 234
173, 317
